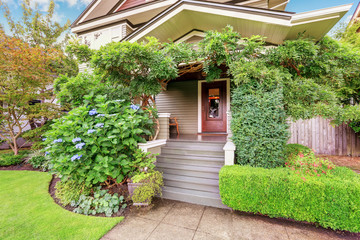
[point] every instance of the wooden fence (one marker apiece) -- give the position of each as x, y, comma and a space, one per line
318, 134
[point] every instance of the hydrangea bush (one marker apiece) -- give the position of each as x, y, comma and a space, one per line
93, 143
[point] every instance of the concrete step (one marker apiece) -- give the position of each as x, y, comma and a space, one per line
196, 145
192, 151
193, 183
191, 160
193, 196
211, 172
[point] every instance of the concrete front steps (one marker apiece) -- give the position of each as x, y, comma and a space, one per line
191, 171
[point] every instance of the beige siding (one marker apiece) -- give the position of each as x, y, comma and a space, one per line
181, 101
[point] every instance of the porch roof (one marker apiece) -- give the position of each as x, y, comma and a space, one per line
276, 26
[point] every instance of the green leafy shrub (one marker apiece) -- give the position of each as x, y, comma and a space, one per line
151, 186
71, 91
37, 161
101, 202
292, 150
259, 127
67, 191
8, 159
332, 201
309, 164
92, 143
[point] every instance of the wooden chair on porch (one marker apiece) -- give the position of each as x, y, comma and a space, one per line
173, 122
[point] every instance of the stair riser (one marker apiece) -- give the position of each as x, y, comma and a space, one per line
193, 199
189, 173
189, 162
192, 186
203, 146
189, 152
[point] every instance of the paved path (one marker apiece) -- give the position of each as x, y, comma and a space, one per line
171, 220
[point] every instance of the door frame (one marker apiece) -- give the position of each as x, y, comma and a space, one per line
227, 102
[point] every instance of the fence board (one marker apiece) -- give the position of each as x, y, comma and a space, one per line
317, 133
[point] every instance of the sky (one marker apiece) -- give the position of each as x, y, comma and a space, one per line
71, 9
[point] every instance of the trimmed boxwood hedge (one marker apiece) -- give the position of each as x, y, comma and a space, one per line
332, 201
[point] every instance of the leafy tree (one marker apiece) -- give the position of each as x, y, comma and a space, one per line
39, 29
70, 91
142, 67
25, 75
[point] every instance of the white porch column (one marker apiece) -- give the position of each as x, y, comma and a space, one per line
229, 148
164, 126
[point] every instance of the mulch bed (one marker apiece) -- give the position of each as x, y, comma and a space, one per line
20, 167
345, 161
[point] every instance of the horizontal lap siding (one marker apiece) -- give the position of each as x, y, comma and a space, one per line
318, 134
181, 101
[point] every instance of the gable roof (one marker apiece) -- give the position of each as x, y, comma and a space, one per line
103, 8
275, 25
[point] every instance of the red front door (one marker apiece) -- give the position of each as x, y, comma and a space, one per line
213, 106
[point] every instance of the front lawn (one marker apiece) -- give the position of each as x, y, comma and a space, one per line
28, 212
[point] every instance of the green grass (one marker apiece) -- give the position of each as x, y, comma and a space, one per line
27, 211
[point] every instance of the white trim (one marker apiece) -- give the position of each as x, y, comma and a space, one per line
317, 20
121, 16
164, 115
318, 14
90, 11
176, 9
199, 101
151, 144
190, 35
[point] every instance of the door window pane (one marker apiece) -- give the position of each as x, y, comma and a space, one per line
214, 102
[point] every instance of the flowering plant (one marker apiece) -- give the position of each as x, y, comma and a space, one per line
91, 149
308, 164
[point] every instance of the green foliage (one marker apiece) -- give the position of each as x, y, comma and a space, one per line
67, 191
294, 149
81, 52
355, 126
38, 160
35, 135
259, 126
142, 67
94, 142
38, 28
143, 161
71, 91
151, 183
331, 201
308, 164
8, 159
101, 202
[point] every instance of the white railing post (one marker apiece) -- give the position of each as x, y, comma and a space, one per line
229, 148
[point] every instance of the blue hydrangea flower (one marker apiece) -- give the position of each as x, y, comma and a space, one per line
92, 112
80, 145
91, 131
100, 115
57, 140
44, 139
76, 156
99, 125
134, 107
46, 153
76, 140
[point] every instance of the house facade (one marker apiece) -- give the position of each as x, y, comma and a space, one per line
104, 21
192, 160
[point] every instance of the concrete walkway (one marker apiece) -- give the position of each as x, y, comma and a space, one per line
171, 220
